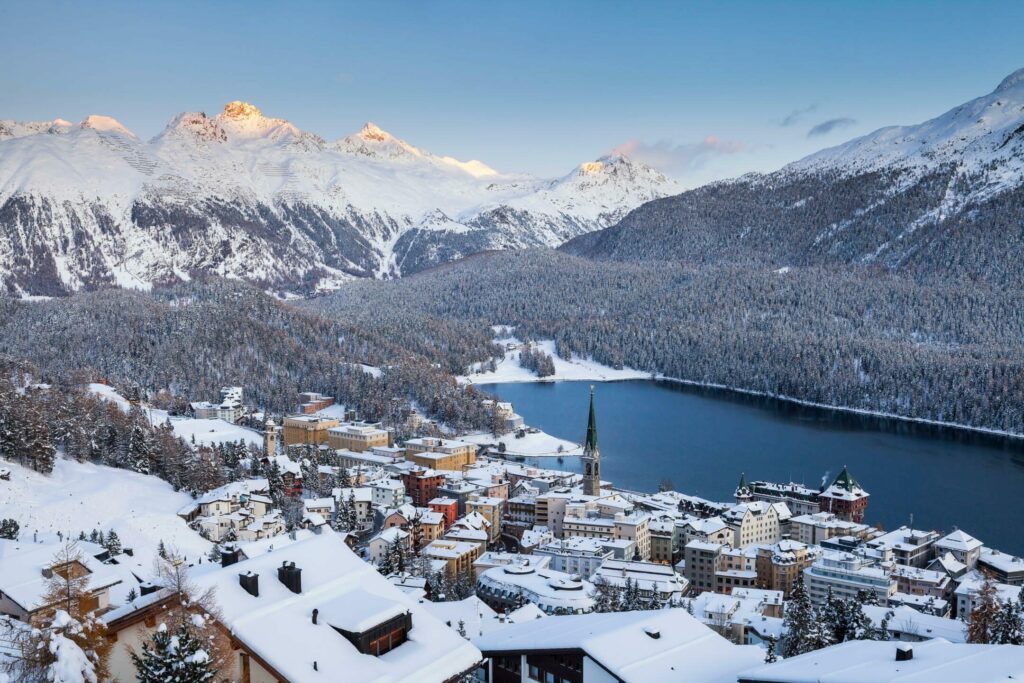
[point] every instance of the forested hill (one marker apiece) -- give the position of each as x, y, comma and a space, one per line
860, 337
943, 199
193, 338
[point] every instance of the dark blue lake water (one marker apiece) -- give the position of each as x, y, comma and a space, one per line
703, 439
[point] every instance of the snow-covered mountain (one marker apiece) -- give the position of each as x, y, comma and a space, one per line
940, 198
244, 195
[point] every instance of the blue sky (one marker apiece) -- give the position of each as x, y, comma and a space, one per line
704, 90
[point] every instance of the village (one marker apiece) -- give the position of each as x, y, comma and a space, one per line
341, 552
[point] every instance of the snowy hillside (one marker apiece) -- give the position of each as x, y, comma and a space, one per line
943, 198
244, 195
984, 136
83, 496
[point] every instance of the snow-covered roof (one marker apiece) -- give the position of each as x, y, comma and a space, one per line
864, 661
22, 564
959, 541
641, 647
278, 627
909, 620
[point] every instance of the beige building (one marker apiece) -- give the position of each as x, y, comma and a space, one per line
756, 522
307, 429
490, 509
779, 566
458, 556
440, 454
357, 437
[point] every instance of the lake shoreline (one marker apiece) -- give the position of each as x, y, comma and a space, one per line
937, 425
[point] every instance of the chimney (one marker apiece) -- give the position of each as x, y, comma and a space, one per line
316, 613
251, 583
290, 576
229, 556
904, 652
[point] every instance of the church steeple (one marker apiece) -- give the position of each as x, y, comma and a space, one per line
591, 442
591, 455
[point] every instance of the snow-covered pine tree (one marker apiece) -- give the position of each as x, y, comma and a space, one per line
344, 479
769, 656
275, 484
9, 529
799, 622
113, 544
1008, 627
179, 658
386, 564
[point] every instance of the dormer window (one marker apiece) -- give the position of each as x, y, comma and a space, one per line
374, 625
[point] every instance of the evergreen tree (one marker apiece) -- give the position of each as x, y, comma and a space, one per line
1008, 626
804, 633
769, 656
9, 529
177, 658
113, 544
275, 484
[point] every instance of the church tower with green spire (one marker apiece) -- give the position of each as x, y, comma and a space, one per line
591, 455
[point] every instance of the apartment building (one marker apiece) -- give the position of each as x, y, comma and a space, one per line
358, 437
440, 454
307, 429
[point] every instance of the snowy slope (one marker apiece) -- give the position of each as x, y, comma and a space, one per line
942, 198
984, 136
83, 496
244, 195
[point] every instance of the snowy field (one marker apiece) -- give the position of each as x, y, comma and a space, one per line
576, 368
533, 445
208, 432
83, 496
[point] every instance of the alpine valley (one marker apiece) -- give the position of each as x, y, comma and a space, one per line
243, 195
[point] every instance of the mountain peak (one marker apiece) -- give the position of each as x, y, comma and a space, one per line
371, 131
237, 109
106, 124
1012, 81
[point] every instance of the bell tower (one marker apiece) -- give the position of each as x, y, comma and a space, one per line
591, 455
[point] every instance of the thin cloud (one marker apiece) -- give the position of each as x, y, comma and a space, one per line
669, 156
794, 117
826, 127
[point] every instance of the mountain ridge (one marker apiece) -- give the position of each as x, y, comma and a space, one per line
942, 198
241, 194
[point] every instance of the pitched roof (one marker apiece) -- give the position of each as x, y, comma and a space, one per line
659, 645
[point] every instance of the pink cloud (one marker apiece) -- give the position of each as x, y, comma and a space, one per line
669, 156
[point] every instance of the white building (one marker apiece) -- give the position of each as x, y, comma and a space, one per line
575, 555
964, 547
553, 592
625, 647
388, 493
312, 610
230, 409
757, 522
847, 574
867, 661
652, 579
